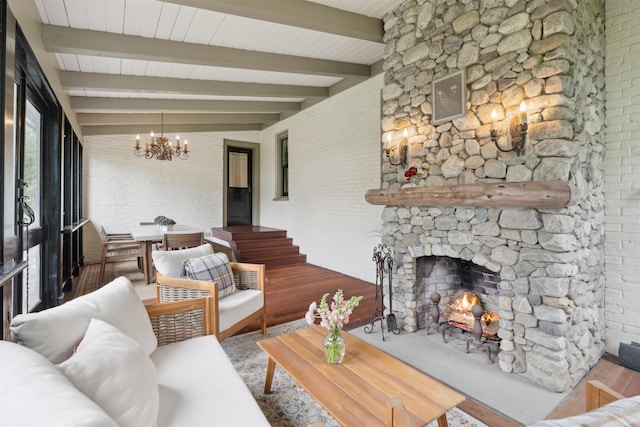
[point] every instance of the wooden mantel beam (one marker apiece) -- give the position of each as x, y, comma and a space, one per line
531, 194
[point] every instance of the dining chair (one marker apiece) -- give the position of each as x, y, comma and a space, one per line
119, 247
173, 241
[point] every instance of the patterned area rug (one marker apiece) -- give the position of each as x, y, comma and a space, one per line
289, 405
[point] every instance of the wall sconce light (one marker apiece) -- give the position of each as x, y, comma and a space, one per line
518, 131
400, 158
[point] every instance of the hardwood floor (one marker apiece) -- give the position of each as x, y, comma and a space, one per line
290, 289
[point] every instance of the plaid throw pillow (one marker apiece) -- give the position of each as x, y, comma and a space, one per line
212, 268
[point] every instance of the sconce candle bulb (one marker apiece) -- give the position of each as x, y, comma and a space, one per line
400, 158
518, 131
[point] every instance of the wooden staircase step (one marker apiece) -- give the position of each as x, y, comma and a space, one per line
247, 232
261, 245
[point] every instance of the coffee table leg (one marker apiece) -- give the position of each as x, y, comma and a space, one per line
442, 421
271, 366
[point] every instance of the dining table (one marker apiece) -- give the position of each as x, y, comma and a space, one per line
152, 234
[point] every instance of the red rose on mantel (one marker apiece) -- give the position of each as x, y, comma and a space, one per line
411, 172
412, 175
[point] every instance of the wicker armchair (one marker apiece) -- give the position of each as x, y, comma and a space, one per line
181, 320
231, 313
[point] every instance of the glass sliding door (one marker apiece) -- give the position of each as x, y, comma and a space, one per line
28, 148
37, 164
31, 187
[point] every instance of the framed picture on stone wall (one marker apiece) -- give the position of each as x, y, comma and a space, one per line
449, 98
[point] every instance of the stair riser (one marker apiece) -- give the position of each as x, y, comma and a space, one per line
259, 244
269, 252
239, 236
286, 261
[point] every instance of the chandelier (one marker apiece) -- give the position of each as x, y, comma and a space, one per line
161, 148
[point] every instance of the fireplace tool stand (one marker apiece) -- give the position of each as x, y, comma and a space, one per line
384, 264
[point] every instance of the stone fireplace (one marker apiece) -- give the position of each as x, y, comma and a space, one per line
496, 210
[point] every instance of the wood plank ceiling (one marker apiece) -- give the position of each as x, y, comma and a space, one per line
208, 65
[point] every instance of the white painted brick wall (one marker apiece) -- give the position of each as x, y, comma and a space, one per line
120, 189
334, 158
622, 169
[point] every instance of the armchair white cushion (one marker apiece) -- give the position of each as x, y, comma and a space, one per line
237, 306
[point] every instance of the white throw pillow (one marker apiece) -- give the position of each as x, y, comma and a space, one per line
56, 331
33, 392
169, 263
112, 370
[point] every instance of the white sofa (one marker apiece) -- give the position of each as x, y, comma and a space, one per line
95, 361
605, 408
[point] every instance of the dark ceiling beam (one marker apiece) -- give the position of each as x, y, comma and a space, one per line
98, 104
173, 129
297, 13
73, 80
97, 43
95, 119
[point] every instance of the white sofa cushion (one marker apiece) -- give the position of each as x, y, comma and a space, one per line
56, 331
212, 268
33, 392
237, 306
169, 263
200, 387
620, 413
112, 370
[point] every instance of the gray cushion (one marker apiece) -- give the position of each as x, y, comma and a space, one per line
212, 268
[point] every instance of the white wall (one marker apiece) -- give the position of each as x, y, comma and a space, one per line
622, 242
334, 158
120, 189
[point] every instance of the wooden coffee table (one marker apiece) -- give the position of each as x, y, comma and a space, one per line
358, 391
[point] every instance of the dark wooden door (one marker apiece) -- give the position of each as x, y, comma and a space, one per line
239, 186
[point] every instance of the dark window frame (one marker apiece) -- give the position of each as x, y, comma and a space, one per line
283, 166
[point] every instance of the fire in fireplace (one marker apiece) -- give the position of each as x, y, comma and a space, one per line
458, 313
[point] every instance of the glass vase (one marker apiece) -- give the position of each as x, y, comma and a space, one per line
334, 346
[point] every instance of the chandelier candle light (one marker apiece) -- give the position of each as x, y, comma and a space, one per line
161, 147
333, 317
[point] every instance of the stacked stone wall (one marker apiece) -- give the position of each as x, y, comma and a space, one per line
548, 54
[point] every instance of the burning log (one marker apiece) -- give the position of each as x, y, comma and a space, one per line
458, 312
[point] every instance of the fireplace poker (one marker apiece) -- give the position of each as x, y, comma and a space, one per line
392, 323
